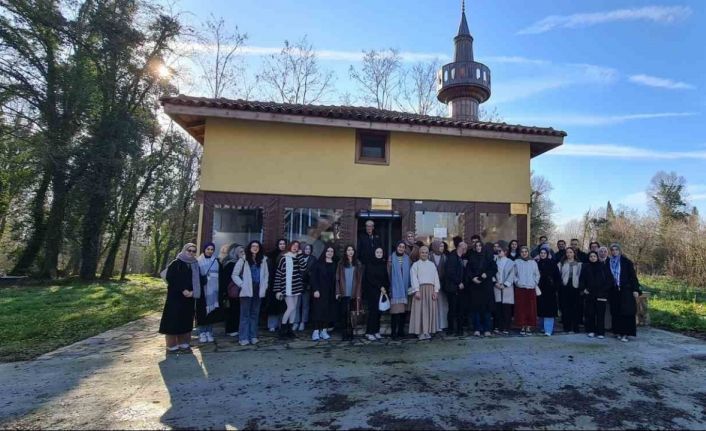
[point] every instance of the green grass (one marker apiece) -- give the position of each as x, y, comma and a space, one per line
36, 319
675, 305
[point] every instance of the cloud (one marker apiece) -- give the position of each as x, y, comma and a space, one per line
623, 152
594, 120
637, 199
696, 192
653, 81
658, 14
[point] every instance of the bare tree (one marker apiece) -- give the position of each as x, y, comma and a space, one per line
294, 75
220, 65
490, 116
542, 207
379, 77
418, 92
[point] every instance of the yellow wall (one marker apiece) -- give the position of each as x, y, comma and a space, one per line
279, 158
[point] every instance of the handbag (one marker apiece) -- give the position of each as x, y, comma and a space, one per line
384, 303
234, 289
537, 291
357, 315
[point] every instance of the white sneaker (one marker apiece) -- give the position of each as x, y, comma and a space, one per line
591, 335
254, 341
624, 339
325, 335
421, 337
203, 338
548, 334
232, 334
476, 333
378, 336
315, 335
272, 329
370, 337
209, 337
244, 343
302, 326
600, 337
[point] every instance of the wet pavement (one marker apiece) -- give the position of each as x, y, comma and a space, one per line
123, 379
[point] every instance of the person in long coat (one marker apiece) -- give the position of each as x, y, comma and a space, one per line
308, 261
274, 308
231, 306
626, 290
438, 258
289, 286
398, 267
376, 281
547, 302
323, 293
455, 288
207, 296
349, 288
504, 291
571, 311
526, 284
182, 276
425, 288
596, 283
480, 271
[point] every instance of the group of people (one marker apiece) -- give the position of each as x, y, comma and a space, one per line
489, 288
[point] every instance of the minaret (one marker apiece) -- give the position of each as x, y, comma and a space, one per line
463, 84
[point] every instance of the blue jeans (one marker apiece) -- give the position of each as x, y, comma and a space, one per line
481, 321
547, 323
302, 314
205, 329
249, 316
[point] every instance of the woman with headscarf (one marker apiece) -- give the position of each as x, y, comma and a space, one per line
424, 314
376, 282
504, 291
289, 285
323, 293
526, 284
398, 267
273, 307
250, 273
207, 297
570, 269
231, 307
549, 282
480, 271
308, 261
596, 283
626, 290
438, 257
182, 276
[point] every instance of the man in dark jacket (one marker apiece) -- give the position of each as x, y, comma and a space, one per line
542, 241
581, 255
367, 243
560, 251
455, 290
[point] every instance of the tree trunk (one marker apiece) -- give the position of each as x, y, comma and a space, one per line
90, 238
55, 227
126, 258
30, 252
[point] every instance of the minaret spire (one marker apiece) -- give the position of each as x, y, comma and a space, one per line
465, 83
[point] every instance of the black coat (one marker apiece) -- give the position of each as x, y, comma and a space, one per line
597, 279
323, 280
307, 263
273, 306
482, 297
375, 276
549, 282
453, 273
581, 256
622, 301
366, 247
178, 314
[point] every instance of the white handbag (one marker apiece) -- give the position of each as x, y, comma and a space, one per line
384, 303
537, 291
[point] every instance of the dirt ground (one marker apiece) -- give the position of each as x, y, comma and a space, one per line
122, 379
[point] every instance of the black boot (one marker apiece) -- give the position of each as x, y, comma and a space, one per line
459, 328
393, 326
282, 335
290, 332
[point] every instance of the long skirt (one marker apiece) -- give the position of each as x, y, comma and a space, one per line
424, 317
443, 304
525, 307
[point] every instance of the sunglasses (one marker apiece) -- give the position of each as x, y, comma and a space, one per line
191, 250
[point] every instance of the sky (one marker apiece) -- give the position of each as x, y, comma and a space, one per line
624, 79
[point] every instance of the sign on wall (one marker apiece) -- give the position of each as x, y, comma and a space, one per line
381, 204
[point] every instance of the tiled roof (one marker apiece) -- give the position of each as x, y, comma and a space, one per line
356, 113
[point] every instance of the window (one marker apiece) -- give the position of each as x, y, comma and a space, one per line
498, 227
372, 148
315, 226
439, 225
236, 226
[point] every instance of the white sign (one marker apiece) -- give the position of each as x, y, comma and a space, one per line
440, 232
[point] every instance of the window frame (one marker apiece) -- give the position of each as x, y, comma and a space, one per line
359, 135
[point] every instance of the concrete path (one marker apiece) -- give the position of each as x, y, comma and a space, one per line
122, 379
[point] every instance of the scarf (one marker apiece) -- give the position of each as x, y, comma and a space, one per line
615, 269
289, 272
399, 278
208, 266
191, 261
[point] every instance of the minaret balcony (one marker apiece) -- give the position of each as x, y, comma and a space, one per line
453, 77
